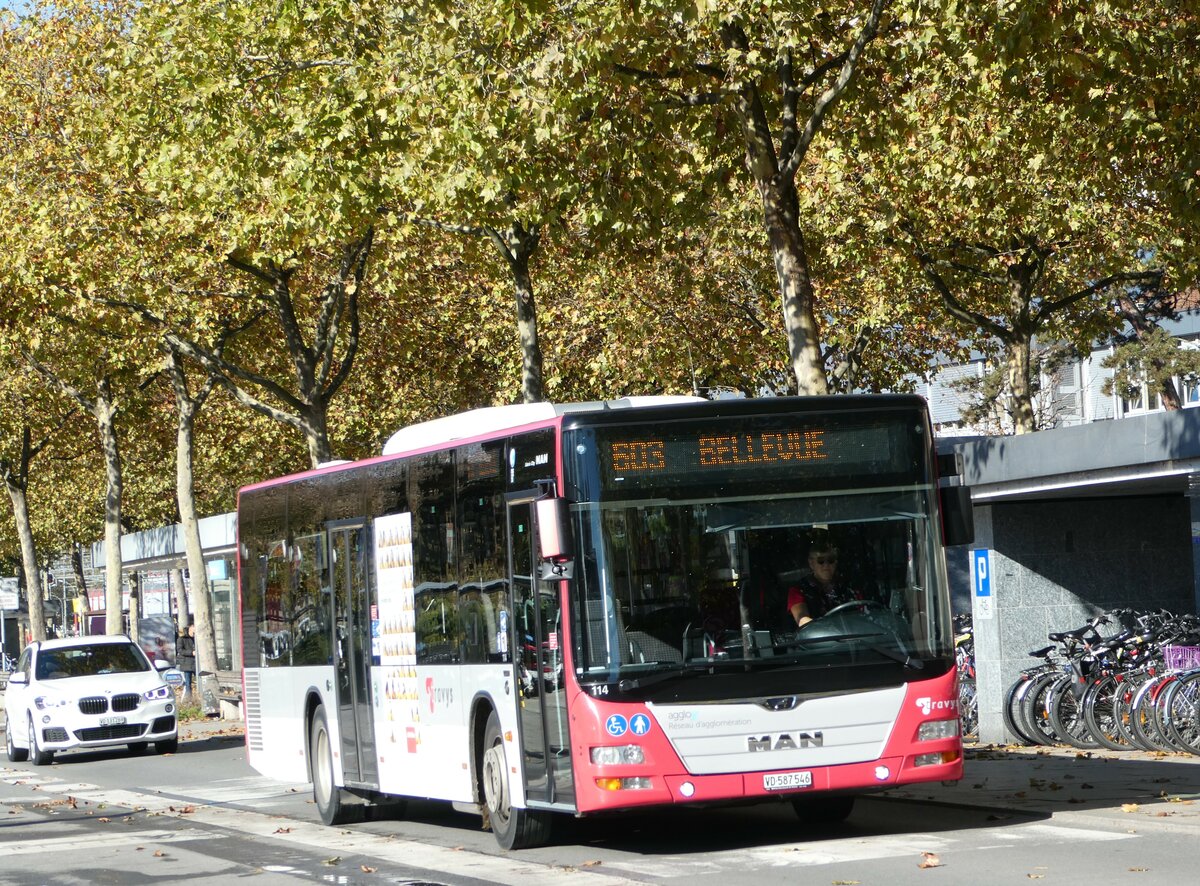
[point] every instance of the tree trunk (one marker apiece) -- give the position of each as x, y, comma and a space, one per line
29, 563
316, 436
135, 607
113, 623
206, 642
182, 614
796, 294
80, 582
518, 247
1020, 387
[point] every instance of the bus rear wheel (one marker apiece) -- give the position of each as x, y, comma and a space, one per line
513, 828
330, 798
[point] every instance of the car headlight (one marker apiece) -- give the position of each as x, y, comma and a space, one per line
44, 702
155, 694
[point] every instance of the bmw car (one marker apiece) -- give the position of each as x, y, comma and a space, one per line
87, 692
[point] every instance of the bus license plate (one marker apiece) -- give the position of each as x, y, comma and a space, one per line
785, 781
112, 721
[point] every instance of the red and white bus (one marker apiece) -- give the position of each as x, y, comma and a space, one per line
583, 608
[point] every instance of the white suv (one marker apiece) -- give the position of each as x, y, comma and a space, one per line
87, 692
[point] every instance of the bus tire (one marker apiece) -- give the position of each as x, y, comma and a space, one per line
330, 799
815, 812
513, 828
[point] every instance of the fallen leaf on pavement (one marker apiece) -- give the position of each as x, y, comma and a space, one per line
104, 819
1139, 869
1129, 807
158, 853
1036, 876
929, 860
367, 870
587, 864
283, 830
336, 859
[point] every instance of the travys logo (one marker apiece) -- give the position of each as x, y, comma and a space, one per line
437, 695
929, 705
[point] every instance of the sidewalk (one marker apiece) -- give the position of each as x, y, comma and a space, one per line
1130, 787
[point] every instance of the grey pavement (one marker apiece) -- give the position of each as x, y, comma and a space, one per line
1129, 788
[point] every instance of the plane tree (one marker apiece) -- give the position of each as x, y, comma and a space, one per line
985, 171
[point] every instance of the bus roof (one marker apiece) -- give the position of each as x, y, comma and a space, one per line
477, 422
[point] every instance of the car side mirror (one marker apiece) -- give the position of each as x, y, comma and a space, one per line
17, 678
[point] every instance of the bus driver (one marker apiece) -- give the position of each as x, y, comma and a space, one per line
821, 590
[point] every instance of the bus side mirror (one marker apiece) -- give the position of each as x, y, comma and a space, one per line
554, 538
958, 516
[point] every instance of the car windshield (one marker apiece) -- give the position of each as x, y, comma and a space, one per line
89, 661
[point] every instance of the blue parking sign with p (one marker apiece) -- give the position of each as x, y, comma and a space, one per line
981, 572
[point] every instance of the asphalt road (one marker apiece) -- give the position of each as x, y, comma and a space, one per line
202, 816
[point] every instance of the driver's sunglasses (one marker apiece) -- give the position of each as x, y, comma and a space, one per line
827, 561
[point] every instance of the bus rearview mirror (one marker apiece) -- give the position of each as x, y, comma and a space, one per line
958, 516
554, 532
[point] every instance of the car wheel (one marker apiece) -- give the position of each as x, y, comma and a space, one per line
15, 754
167, 745
138, 747
38, 756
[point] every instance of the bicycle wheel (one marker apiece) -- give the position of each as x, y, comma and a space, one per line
1123, 700
1099, 713
1163, 720
1143, 721
968, 709
1066, 714
1185, 712
1012, 707
1035, 712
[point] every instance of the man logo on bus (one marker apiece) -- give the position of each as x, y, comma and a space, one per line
785, 742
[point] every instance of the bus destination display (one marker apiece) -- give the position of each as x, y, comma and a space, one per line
750, 453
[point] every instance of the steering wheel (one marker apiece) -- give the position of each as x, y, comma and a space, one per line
854, 604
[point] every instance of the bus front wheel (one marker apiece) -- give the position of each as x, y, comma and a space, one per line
330, 798
821, 811
513, 828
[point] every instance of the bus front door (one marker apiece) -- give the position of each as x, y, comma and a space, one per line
352, 651
538, 661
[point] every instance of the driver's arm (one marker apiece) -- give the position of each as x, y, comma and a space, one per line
798, 608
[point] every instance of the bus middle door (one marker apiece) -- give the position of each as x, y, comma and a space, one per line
538, 662
349, 571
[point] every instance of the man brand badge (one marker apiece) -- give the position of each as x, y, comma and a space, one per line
785, 742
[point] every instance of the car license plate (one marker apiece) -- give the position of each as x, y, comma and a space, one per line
784, 781
112, 721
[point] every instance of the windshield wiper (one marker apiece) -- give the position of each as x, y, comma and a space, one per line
689, 670
902, 657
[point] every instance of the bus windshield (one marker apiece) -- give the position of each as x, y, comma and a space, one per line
801, 546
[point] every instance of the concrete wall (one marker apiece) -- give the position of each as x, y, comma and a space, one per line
1055, 564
